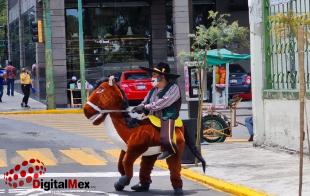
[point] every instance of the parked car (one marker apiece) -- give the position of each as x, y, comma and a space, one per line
136, 84
239, 82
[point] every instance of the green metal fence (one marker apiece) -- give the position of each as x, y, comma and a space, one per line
281, 55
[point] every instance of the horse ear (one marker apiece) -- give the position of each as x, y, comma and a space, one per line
111, 80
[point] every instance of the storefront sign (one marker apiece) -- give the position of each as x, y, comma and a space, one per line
277, 2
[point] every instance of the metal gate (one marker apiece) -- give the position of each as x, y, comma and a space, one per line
281, 55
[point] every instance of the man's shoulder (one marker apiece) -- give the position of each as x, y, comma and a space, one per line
174, 85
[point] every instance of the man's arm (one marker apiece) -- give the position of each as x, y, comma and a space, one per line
145, 99
171, 96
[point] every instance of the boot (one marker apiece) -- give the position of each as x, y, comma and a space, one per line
251, 138
178, 191
121, 183
141, 187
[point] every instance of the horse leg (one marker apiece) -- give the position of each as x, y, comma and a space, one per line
174, 165
121, 169
146, 167
131, 155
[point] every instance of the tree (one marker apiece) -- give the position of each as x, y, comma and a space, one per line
220, 34
3, 26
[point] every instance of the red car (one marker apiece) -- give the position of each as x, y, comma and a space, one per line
136, 84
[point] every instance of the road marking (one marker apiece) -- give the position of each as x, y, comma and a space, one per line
84, 156
3, 161
43, 154
38, 192
95, 174
236, 140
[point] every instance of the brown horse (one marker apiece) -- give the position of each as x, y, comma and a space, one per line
143, 139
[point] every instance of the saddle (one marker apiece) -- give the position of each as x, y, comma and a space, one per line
157, 123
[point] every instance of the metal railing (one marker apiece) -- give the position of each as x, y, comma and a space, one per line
281, 53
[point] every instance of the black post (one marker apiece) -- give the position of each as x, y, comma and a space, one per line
193, 109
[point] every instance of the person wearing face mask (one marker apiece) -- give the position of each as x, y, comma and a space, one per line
164, 102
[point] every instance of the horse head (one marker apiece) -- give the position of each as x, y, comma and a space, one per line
106, 96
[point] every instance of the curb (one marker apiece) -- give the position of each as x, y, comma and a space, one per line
222, 185
59, 111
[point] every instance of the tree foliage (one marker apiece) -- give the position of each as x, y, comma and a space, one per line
3, 23
220, 34
285, 24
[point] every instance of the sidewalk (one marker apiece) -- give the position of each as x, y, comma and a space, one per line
13, 103
270, 170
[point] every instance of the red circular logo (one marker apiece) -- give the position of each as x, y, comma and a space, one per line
24, 173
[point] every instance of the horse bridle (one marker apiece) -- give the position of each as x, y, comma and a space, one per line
105, 111
95, 107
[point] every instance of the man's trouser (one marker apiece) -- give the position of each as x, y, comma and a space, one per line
10, 87
166, 136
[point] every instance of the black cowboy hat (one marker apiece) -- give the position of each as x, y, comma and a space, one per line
162, 69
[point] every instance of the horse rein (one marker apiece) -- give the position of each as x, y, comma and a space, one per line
105, 111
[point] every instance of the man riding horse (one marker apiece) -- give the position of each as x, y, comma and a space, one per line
163, 101
106, 104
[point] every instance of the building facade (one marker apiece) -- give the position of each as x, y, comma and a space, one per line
119, 35
275, 76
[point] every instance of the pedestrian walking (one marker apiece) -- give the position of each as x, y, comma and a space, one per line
11, 75
25, 81
2, 77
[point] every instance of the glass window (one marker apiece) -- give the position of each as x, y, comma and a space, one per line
14, 42
137, 76
116, 39
201, 12
29, 46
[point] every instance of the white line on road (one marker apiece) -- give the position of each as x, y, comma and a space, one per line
95, 174
38, 192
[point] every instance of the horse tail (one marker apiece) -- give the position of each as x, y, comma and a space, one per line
192, 146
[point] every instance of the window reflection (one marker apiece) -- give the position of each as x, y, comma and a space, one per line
116, 38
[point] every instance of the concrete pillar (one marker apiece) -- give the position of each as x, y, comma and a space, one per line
181, 24
59, 51
159, 40
257, 67
40, 59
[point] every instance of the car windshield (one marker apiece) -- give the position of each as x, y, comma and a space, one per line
236, 68
136, 76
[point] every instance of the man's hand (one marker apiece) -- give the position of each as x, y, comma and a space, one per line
138, 109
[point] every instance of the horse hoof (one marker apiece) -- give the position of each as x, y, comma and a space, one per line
121, 183
141, 187
118, 187
178, 191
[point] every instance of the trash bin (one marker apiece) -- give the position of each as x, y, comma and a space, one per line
190, 126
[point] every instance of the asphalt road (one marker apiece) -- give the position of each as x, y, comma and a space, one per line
72, 151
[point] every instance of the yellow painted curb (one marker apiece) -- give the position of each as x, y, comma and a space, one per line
228, 187
59, 111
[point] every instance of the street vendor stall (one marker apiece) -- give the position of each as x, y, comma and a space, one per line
216, 127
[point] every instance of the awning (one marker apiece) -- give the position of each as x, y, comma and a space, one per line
223, 56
